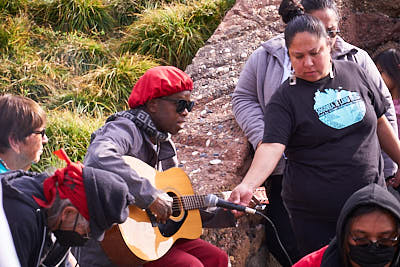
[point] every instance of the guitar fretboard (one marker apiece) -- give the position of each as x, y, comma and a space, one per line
192, 202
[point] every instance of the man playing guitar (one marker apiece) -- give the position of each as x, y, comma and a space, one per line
159, 103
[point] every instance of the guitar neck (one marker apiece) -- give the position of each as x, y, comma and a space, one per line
193, 201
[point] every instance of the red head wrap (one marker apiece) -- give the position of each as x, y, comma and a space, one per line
157, 82
69, 183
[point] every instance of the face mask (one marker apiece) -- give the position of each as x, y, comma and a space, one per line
371, 255
70, 238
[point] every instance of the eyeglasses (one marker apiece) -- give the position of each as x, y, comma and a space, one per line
181, 104
42, 132
332, 33
383, 242
86, 235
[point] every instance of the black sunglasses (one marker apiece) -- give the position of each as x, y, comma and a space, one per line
42, 132
332, 33
181, 104
383, 242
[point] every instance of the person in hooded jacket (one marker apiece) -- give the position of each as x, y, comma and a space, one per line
75, 204
367, 233
159, 104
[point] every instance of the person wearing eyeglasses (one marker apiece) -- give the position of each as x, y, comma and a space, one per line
265, 70
22, 125
367, 233
22, 132
159, 104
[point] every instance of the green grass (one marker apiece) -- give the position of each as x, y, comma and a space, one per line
165, 33
106, 89
208, 14
175, 32
88, 16
80, 58
36, 79
12, 7
80, 53
14, 36
126, 11
68, 130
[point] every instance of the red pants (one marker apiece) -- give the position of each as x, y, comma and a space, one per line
192, 253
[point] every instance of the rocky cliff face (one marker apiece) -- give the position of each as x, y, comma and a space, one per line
212, 148
371, 25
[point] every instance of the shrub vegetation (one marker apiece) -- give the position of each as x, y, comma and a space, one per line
68, 130
176, 31
75, 15
80, 58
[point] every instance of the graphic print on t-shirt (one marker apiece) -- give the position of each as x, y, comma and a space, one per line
339, 108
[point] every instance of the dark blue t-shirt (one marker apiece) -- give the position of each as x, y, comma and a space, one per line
329, 130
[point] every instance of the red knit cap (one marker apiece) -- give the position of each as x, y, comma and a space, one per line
157, 82
69, 183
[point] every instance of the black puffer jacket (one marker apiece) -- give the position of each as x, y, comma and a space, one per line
26, 219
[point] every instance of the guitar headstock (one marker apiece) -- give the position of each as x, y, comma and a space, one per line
258, 201
259, 197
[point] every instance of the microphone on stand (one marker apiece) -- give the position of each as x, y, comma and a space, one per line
214, 201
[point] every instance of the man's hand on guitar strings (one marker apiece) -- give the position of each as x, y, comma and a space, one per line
162, 207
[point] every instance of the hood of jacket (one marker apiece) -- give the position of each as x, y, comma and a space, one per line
23, 185
276, 47
108, 199
371, 194
343, 48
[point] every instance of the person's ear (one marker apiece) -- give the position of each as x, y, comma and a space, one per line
152, 106
329, 43
69, 213
14, 144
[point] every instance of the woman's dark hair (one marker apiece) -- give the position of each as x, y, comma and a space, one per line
304, 23
289, 9
389, 62
357, 212
313, 5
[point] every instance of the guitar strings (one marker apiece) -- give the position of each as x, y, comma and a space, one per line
187, 202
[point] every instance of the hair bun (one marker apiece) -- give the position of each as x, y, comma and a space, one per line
289, 9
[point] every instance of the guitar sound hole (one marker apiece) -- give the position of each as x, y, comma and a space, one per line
176, 205
172, 226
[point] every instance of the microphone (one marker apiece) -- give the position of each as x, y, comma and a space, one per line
213, 201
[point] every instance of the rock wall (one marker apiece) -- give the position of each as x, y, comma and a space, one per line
212, 149
371, 25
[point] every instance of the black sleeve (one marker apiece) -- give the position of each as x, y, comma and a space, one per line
279, 118
26, 233
378, 100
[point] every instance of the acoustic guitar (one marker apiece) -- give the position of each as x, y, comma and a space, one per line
140, 238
